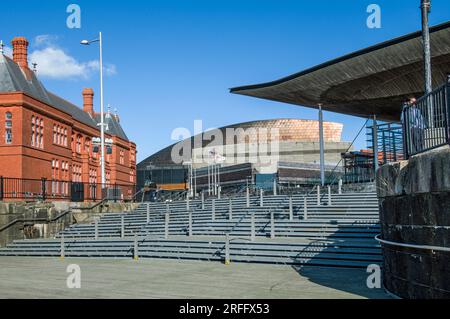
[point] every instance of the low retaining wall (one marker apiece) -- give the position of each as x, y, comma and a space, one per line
415, 209
80, 214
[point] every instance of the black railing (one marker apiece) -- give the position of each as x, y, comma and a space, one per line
426, 122
21, 189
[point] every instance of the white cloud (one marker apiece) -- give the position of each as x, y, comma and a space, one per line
45, 39
53, 62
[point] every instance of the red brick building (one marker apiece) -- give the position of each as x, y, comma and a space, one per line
44, 136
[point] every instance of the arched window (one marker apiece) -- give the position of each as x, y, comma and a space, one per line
8, 128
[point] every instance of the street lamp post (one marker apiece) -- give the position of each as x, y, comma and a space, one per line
102, 123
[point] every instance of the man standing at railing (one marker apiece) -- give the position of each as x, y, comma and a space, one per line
416, 125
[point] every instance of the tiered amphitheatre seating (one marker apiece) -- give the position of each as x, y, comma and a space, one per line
340, 234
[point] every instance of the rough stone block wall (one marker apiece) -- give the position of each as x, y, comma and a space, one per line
415, 209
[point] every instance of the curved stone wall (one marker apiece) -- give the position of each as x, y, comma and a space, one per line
415, 209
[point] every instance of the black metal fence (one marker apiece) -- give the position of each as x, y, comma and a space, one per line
426, 122
15, 189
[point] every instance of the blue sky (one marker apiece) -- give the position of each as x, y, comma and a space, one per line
172, 62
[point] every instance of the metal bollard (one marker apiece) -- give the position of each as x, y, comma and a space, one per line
136, 248
148, 213
329, 195
63, 251
340, 186
305, 208
227, 249
274, 187
230, 210
190, 224
122, 226
291, 210
203, 200
166, 226
318, 195
252, 227
220, 191
248, 197
213, 210
261, 197
272, 225
96, 229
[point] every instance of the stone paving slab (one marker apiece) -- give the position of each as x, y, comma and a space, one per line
41, 277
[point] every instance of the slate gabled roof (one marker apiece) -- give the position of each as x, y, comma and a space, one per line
12, 79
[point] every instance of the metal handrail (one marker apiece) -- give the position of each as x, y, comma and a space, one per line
425, 247
33, 220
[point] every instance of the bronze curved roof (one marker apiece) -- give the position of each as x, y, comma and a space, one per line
375, 80
290, 130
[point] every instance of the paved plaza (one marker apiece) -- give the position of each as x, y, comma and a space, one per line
25, 277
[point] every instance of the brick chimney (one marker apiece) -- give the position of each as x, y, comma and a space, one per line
88, 101
20, 51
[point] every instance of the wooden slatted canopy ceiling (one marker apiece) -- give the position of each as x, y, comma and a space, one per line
372, 81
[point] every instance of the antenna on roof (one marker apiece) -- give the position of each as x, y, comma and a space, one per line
2, 45
108, 114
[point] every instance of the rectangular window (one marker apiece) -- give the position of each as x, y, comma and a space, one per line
8, 136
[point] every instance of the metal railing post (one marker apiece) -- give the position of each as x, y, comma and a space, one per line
291, 209
96, 229
248, 197
227, 249
115, 193
252, 227
122, 226
272, 225
230, 210
219, 192
318, 195
166, 226
187, 203
305, 208
190, 224
203, 200
213, 210
136, 248
274, 187
148, 213
340, 186
62, 251
329, 195
261, 197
